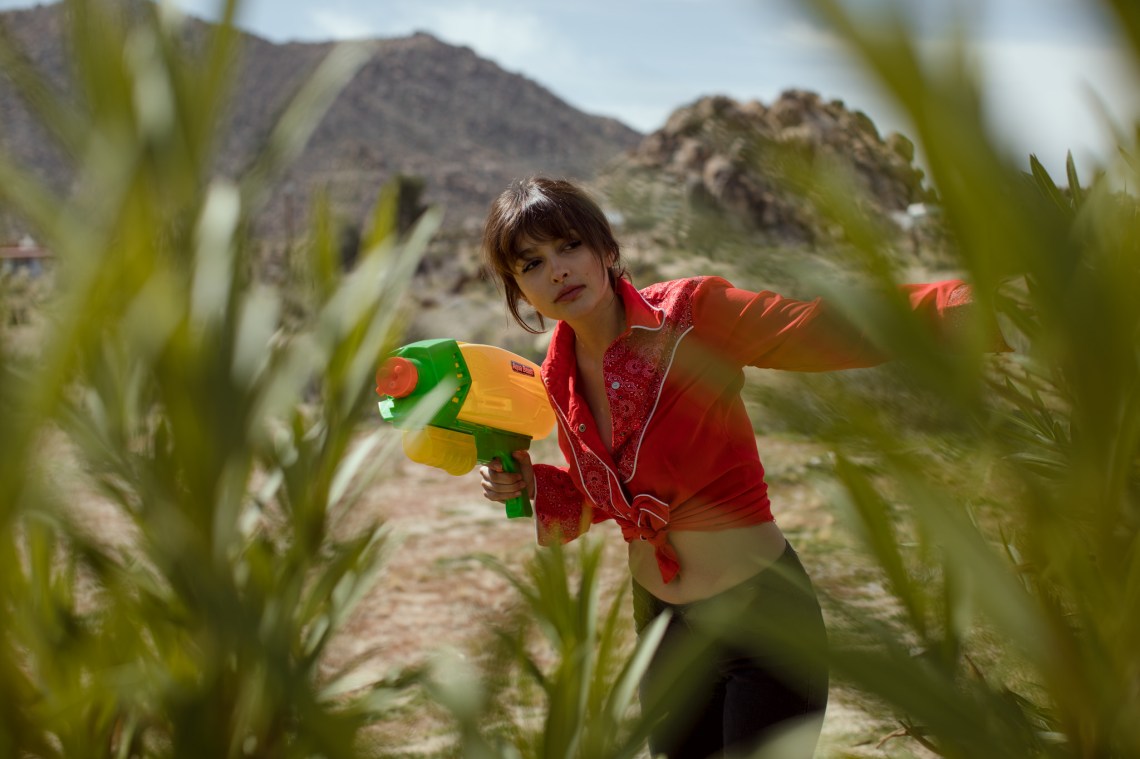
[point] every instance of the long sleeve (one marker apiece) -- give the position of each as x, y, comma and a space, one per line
561, 512
769, 331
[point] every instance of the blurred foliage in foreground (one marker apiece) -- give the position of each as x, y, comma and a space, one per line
163, 375
1010, 548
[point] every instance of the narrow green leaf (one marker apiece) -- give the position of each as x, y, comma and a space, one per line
1075, 188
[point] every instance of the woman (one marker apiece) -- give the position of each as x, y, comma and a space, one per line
645, 385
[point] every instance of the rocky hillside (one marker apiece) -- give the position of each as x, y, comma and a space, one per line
716, 149
712, 183
725, 153
419, 107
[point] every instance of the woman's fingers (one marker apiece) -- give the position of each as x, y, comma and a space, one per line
499, 485
526, 468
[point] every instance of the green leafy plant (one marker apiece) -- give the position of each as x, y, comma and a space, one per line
224, 448
1011, 546
563, 681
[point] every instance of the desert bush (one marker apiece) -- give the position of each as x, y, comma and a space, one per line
164, 375
562, 679
1012, 550
21, 294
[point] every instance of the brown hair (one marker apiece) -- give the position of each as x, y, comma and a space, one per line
543, 209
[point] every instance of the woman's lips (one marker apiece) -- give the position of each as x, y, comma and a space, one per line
569, 293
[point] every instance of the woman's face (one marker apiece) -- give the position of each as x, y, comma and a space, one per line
563, 279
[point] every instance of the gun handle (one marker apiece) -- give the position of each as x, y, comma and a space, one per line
519, 506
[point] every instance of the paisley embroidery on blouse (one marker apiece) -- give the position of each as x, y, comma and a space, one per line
594, 474
637, 364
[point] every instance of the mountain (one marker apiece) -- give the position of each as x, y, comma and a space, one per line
701, 195
418, 107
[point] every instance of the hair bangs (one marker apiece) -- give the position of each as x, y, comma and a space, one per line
540, 220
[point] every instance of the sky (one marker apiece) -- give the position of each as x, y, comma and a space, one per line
1053, 68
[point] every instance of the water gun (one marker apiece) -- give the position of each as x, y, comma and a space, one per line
462, 403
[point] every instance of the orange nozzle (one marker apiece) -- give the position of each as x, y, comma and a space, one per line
396, 377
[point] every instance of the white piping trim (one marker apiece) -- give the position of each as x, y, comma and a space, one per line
610, 482
650, 513
656, 401
659, 311
565, 422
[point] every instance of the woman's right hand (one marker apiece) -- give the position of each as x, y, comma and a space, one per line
502, 486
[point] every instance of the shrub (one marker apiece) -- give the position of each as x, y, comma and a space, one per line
1013, 552
164, 374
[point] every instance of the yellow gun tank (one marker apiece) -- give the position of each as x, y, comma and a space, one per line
506, 392
453, 452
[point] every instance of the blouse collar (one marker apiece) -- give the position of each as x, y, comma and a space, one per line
639, 314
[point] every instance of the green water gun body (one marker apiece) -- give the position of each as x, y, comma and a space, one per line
459, 404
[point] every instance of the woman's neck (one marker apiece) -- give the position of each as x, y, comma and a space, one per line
594, 334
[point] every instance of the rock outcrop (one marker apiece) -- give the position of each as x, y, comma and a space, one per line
738, 160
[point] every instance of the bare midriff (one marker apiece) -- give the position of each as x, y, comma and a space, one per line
711, 562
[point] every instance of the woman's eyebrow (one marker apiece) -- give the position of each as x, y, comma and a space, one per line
530, 249
520, 257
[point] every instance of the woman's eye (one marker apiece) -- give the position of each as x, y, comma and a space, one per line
528, 265
572, 245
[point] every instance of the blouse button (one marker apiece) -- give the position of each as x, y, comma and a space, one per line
581, 428
615, 385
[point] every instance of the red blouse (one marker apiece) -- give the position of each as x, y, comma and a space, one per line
684, 452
